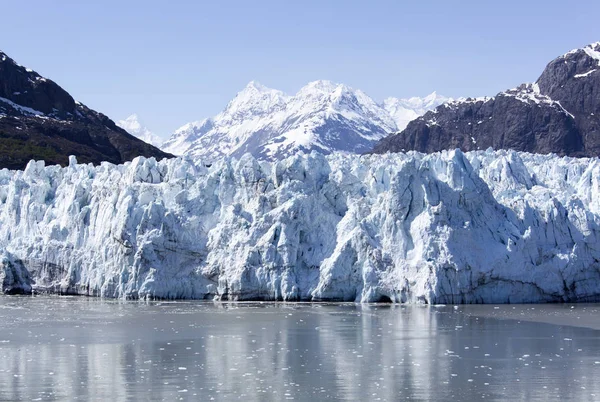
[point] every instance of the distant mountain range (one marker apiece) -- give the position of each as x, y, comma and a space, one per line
40, 120
322, 116
559, 113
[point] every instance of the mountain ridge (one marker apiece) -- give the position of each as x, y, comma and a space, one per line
559, 113
323, 116
40, 120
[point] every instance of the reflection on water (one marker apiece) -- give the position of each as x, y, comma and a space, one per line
55, 348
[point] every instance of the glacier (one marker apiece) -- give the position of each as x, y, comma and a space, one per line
449, 227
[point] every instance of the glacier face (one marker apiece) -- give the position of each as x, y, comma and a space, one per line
441, 228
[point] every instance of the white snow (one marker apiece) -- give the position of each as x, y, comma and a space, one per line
271, 125
526, 93
249, 112
593, 50
442, 228
454, 103
22, 109
134, 127
585, 74
529, 93
403, 111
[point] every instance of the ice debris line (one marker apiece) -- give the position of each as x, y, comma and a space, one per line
450, 227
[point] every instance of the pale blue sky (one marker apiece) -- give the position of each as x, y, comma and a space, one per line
174, 62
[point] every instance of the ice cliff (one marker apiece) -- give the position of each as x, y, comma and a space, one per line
478, 227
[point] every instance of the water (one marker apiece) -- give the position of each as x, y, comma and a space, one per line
72, 348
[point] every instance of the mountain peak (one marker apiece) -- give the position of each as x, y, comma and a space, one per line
556, 114
41, 120
255, 88
135, 127
431, 97
323, 86
592, 50
255, 99
323, 115
593, 46
258, 87
6, 58
132, 122
27, 88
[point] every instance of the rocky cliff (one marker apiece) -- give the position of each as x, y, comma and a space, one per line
40, 120
559, 113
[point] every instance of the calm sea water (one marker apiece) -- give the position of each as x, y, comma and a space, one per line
72, 348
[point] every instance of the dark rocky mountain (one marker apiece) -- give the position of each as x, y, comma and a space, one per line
40, 120
560, 113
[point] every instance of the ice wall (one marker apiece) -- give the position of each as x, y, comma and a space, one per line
480, 227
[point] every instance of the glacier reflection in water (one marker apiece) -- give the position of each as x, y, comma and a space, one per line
69, 348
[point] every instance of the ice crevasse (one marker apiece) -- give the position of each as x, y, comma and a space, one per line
450, 227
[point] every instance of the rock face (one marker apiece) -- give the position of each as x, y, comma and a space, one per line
271, 125
559, 114
40, 120
481, 227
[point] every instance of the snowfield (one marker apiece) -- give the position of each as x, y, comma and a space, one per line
479, 227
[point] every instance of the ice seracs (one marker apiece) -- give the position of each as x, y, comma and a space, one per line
323, 116
449, 227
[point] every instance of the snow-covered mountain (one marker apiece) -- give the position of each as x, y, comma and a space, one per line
480, 227
136, 128
269, 124
403, 111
